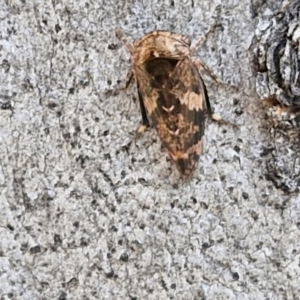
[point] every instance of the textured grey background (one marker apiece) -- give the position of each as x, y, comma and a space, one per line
80, 218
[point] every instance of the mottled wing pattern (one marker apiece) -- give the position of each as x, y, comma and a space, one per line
176, 98
189, 89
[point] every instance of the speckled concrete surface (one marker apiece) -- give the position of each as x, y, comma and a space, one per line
80, 218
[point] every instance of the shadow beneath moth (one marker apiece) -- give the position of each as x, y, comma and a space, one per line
171, 93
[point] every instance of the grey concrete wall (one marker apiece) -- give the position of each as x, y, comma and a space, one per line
80, 218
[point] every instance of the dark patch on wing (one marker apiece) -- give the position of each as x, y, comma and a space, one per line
179, 127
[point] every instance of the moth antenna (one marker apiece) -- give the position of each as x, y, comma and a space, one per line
120, 34
201, 40
198, 44
203, 66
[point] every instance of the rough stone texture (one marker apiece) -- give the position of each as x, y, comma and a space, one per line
81, 218
278, 58
277, 62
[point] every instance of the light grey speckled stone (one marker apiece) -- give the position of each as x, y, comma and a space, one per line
80, 218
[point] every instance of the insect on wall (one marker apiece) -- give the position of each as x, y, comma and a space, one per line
171, 93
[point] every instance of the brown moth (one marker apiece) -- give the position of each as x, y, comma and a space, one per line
172, 93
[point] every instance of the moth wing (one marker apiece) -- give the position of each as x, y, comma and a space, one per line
192, 99
177, 109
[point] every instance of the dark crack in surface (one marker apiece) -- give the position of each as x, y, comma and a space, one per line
277, 67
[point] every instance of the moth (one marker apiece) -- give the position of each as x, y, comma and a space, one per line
172, 93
